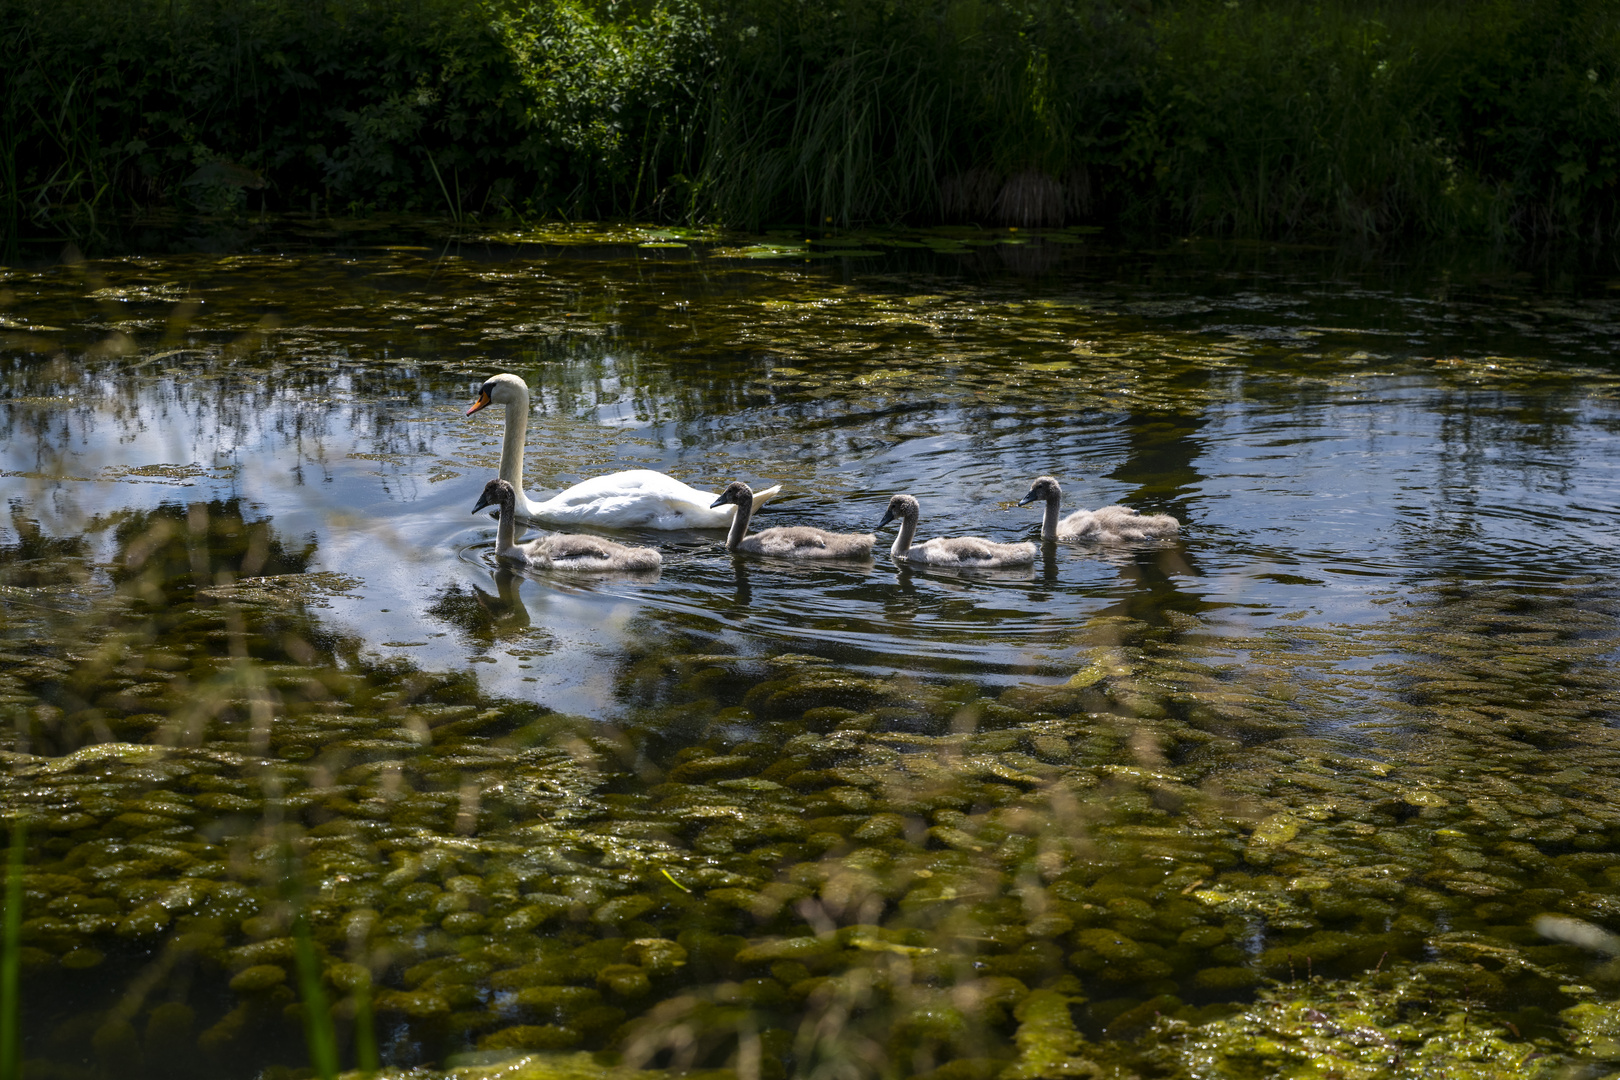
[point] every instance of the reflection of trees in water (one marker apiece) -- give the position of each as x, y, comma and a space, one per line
213, 406
168, 652
36, 559
1161, 464
166, 553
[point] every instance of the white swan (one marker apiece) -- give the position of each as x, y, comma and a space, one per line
559, 551
788, 541
1108, 523
960, 551
633, 498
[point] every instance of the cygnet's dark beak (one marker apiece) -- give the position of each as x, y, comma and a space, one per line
483, 501
1027, 499
721, 501
479, 402
888, 516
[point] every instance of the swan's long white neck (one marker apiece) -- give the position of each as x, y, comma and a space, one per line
902, 541
739, 521
517, 429
1050, 521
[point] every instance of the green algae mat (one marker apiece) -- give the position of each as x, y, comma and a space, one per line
1325, 788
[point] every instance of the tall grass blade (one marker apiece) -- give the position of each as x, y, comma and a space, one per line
11, 961
365, 1028
319, 1035
455, 213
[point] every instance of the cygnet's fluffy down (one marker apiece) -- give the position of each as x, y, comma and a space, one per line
559, 551
787, 541
959, 551
1105, 524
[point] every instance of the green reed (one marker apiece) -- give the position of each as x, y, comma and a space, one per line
319, 1035
845, 143
1295, 119
365, 1027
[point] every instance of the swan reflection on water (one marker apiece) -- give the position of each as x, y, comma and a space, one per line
806, 577
958, 578
505, 609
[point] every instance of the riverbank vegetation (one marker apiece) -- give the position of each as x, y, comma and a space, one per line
1259, 118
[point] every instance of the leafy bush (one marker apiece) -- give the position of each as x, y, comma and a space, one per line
406, 104
1480, 118
1495, 118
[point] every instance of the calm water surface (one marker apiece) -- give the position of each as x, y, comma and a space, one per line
1329, 444
1395, 585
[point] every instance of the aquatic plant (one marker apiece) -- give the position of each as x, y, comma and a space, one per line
318, 1033
1172, 850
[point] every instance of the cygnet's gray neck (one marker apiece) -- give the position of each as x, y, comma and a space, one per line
739, 520
506, 531
1050, 521
902, 542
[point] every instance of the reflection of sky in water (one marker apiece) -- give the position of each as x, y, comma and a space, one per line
1320, 467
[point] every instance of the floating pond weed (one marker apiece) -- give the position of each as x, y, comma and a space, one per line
1285, 796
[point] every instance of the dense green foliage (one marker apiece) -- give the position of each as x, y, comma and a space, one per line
1250, 117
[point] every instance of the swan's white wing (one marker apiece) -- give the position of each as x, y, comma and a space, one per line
637, 498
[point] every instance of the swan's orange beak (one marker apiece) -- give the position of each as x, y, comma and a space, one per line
479, 402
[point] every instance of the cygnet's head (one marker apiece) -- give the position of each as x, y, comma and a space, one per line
901, 506
498, 390
736, 494
1044, 489
496, 493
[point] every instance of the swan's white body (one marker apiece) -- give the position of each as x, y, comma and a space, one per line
559, 551
635, 498
788, 541
1106, 524
963, 552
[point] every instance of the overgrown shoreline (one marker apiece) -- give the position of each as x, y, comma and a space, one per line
1276, 119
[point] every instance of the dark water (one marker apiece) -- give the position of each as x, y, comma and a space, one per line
1357, 718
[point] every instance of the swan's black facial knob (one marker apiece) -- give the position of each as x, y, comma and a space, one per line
481, 401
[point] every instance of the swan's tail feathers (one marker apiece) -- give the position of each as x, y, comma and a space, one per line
763, 497
1161, 525
642, 559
